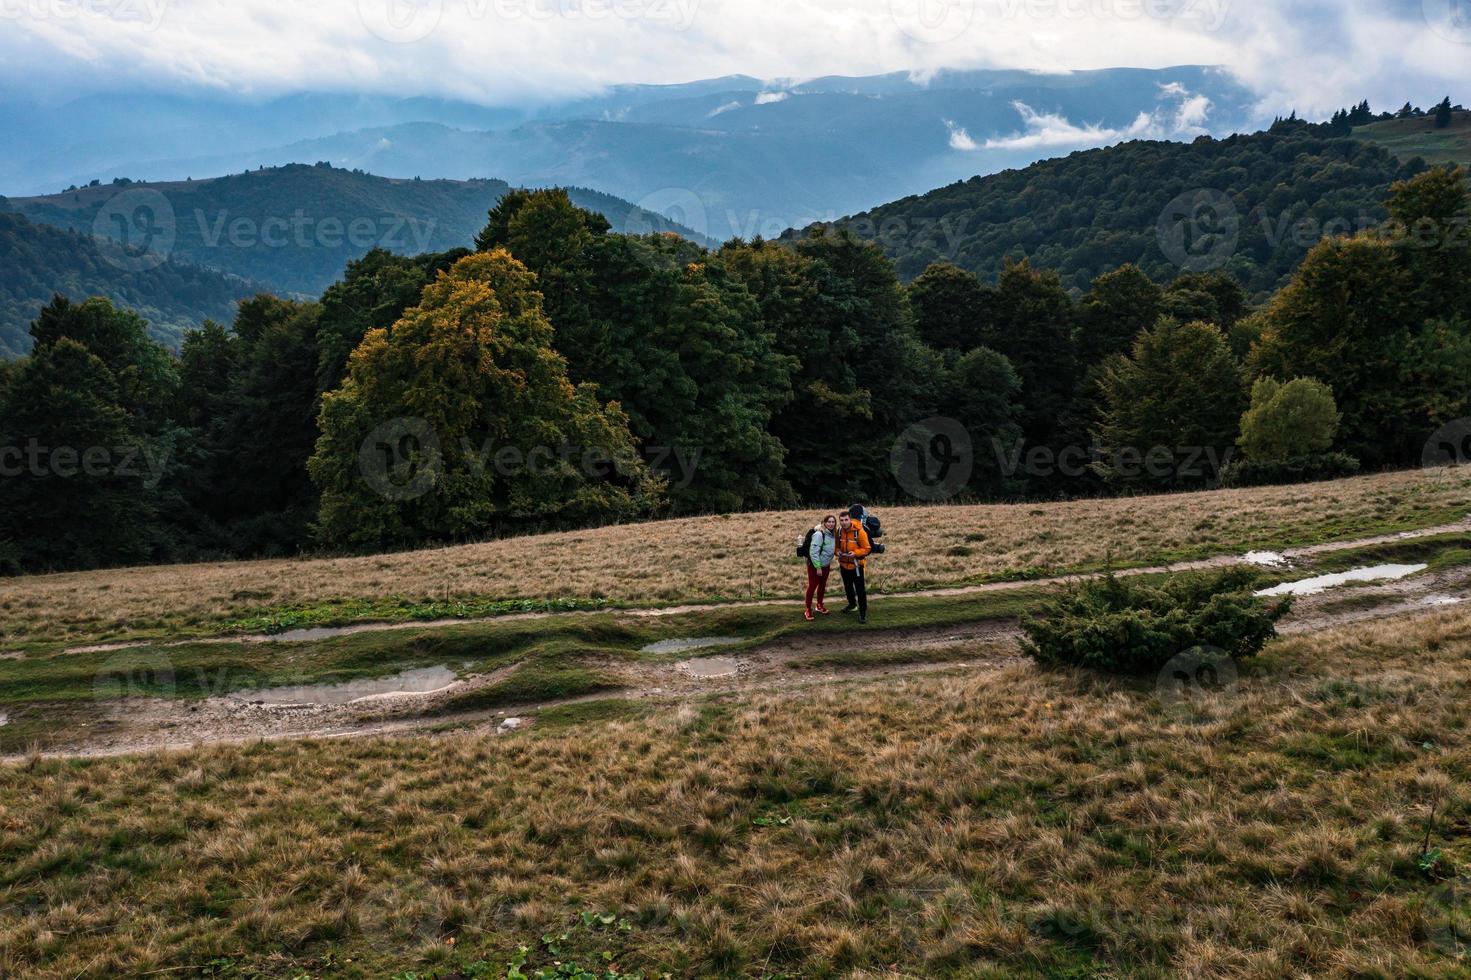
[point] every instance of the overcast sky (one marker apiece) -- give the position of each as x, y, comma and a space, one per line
1312, 55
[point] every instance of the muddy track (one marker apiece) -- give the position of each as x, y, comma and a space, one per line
790, 664
1204, 564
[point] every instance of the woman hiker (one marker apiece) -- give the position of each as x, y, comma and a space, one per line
820, 563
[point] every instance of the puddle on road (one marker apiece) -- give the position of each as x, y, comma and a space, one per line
420, 680
707, 667
1312, 586
1265, 559
685, 644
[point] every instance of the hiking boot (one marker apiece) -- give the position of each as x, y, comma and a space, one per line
862, 618
823, 609
807, 615
851, 606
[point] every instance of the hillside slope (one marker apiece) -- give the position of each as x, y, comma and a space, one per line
38, 261
1418, 137
672, 561
296, 227
1270, 196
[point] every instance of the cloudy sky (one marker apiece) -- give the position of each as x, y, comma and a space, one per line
1312, 55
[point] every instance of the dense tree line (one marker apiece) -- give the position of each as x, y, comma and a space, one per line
562, 374
1095, 210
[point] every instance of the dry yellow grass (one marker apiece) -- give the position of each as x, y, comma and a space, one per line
1311, 822
740, 556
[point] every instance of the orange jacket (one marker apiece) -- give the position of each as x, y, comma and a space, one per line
855, 539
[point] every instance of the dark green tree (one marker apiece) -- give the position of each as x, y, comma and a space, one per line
949, 305
1120, 305
1444, 113
1171, 409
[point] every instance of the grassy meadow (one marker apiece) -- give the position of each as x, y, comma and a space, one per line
713, 558
1410, 138
1312, 818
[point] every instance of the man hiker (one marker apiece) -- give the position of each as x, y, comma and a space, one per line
853, 551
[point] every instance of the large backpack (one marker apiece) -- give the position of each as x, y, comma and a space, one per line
875, 530
805, 548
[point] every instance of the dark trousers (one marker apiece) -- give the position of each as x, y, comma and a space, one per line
857, 590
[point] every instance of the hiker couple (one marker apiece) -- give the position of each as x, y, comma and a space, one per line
846, 538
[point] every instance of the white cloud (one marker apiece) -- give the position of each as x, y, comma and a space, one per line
723, 108
959, 138
1305, 54
1050, 131
768, 98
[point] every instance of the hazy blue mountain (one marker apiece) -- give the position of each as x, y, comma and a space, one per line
725, 156
295, 228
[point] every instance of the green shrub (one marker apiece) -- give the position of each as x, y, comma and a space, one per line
1288, 421
1132, 626
1300, 469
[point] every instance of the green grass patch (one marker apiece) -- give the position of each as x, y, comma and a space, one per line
531, 684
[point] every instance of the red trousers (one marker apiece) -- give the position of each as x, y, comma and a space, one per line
816, 584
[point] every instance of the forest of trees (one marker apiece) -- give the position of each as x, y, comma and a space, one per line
561, 374
1095, 210
38, 262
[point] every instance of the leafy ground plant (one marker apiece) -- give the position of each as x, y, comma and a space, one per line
1133, 626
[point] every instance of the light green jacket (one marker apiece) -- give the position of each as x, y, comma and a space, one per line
824, 546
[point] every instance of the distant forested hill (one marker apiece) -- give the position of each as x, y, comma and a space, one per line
295, 228
38, 261
1093, 211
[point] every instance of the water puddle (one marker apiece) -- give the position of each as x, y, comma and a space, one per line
708, 667
420, 680
1265, 559
1312, 586
685, 644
